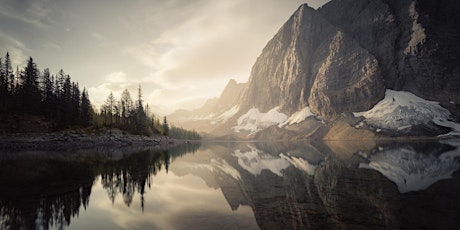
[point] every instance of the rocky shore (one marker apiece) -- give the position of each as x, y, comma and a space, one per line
79, 139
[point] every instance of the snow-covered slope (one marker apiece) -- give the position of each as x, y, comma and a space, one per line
412, 171
255, 121
401, 110
222, 118
297, 117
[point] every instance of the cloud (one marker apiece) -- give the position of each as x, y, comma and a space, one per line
37, 13
15, 48
97, 36
116, 83
116, 77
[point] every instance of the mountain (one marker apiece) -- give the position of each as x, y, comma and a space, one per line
326, 68
214, 112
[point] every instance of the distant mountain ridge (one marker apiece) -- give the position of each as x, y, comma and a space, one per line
212, 112
342, 59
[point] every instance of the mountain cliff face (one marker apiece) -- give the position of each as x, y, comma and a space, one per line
312, 63
416, 43
344, 57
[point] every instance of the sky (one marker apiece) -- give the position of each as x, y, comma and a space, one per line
181, 52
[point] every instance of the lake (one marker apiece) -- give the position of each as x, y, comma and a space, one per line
234, 185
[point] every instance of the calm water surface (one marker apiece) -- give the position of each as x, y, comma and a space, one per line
261, 185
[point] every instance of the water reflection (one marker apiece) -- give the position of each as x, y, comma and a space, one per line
46, 190
236, 186
411, 169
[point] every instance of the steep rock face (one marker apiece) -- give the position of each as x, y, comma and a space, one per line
347, 80
310, 62
416, 42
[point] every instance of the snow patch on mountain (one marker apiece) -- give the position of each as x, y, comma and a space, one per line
297, 117
255, 121
255, 161
223, 117
412, 171
401, 110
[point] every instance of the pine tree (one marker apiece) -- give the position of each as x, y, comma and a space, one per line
126, 104
66, 101
141, 117
75, 103
8, 70
109, 108
3, 88
165, 127
85, 109
30, 92
48, 92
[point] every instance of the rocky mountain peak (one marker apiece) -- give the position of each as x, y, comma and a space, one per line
349, 56
311, 62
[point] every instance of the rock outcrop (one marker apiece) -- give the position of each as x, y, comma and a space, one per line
416, 42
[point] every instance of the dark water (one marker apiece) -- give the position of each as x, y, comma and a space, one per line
261, 185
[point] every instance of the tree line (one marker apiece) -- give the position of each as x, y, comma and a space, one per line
126, 114
31, 91
57, 97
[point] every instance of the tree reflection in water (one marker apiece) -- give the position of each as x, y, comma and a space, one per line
46, 190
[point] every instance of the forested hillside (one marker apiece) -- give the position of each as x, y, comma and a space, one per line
31, 97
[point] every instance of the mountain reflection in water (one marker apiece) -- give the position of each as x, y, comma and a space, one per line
234, 185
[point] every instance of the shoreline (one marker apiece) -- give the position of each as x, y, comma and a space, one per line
75, 139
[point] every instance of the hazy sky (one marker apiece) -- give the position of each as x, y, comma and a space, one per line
180, 51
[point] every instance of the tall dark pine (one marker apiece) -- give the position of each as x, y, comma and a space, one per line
29, 90
48, 93
165, 127
8, 70
141, 116
67, 100
85, 108
75, 102
3, 88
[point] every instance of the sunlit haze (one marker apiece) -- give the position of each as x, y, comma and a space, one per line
181, 52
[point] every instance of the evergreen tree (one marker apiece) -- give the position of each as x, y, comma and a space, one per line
3, 87
8, 70
165, 126
48, 92
30, 92
126, 104
141, 117
66, 101
85, 109
75, 111
109, 108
